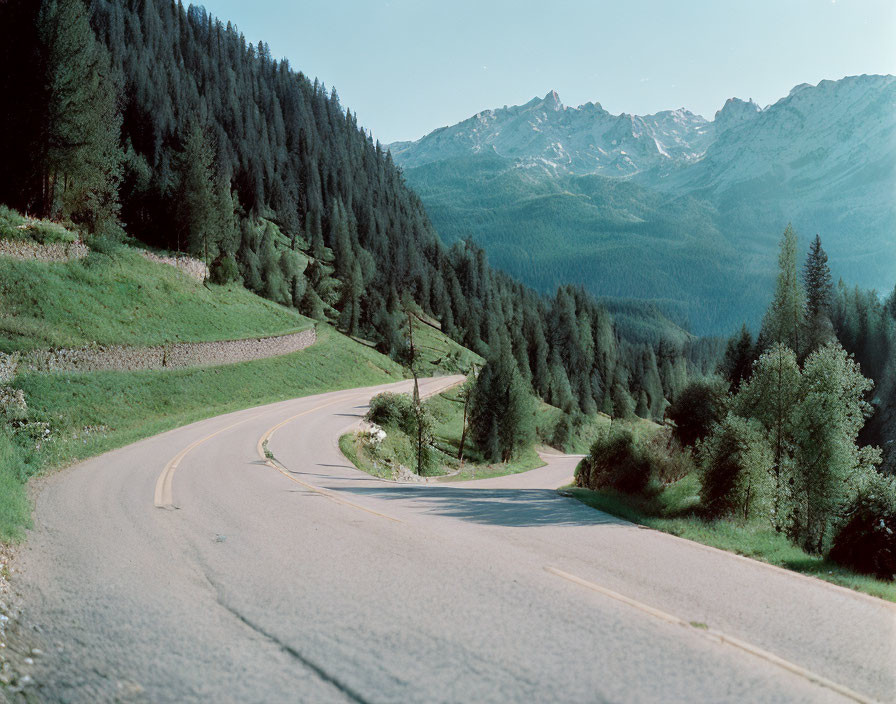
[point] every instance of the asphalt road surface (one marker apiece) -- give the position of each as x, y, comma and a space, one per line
187, 568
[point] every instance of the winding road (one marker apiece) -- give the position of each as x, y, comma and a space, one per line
189, 567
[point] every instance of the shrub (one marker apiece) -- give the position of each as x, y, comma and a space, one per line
620, 461
866, 541
14, 226
669, 461
49, 232
10, 221
615, 461
698, 406
393, 411
564, 432
396, 411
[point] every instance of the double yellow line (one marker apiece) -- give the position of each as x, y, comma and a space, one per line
164, 498
274, 464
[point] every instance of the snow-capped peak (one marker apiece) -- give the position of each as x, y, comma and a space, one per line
589, 140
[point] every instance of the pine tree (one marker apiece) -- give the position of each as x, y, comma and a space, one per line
819, 288
738, 361
817, 280
199, 201
784, 320
501, 415
79, 154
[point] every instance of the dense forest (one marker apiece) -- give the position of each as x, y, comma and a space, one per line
154, 122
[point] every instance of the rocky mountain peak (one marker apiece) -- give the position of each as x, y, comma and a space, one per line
552, 100
734, 112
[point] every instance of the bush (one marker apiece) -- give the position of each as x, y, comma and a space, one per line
866, 542
620, 461
393, 411
396, 411
615, 461
698, 406
669, 461
10, 221
565, 430
14, 226
224, 270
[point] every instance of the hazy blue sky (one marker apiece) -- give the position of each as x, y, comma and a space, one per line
409, 66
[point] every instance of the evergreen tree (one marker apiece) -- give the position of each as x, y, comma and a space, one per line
78, 152
501, 414
739, 357
819, 287
817, 280
784, 320
200, 204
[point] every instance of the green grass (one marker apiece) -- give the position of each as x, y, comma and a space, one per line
15, 511
125, 299
398, 448
91, 413
672, 511
15, 227
435, 351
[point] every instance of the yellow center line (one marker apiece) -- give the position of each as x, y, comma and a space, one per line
163, 497
274, 464
718, 637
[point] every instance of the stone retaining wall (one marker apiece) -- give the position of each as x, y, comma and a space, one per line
55, 252
191, 267
174, 356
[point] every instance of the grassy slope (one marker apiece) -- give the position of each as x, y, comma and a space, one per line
672, 512
435, 351
126, 299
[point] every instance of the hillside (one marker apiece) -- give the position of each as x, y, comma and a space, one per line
670, 207
123, 298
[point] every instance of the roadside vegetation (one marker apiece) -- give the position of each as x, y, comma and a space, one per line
388, 450
767, 459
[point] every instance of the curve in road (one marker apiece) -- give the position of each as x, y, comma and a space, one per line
335, 586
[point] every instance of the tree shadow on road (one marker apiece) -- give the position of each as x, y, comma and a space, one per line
499, 507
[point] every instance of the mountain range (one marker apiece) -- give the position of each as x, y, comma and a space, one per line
671, 207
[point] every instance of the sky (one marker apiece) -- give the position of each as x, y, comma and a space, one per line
407, 67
